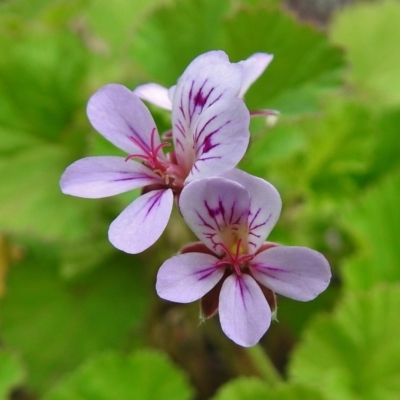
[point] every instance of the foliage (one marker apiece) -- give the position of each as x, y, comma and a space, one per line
77, 316
145, 374
360, 348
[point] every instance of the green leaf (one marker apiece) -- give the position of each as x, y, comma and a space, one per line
56, 324
114, 22
32, 202
41, 132
354, 353
374, 220
386, 154
11, 373
340, 148
293, 82
305, 65
23, 8
144, 375
252, 388
369, 32
169, 40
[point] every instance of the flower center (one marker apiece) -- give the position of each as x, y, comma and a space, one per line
154, 158
235, 257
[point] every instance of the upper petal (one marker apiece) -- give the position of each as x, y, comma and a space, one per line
95, 177
207, 81
188, 277
220, 139
216, 210
253, 67
154, 93
265, 206
243, 310
122, 118
296, 272
142, 222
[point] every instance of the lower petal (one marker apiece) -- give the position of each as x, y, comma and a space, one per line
188, 277
243, 310
299, 273
142, 222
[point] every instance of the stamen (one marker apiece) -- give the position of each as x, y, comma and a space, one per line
151, 156
236, 260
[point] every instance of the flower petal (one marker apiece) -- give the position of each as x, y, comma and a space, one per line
216, 210
188, 277
122, 118
142, 222
221, 136
155, 94
243, 310
253, 67
296, 272
265, 206
95, 177
207, 81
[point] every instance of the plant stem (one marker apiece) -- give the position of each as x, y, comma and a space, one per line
263, 363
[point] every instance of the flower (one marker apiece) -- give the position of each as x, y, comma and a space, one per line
251, 68
233, 270
210, 134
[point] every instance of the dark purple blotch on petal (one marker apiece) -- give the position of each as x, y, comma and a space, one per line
214, 212
200, 99
208, 145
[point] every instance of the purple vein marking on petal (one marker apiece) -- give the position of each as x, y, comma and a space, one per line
222, 209
131, 178
211, 237
190, 101
253, 244
179, 143
239, 281
205, 273
181, 107
198, 99
260, 224
205, 159
207, 145
262, 267
136, 137
155, 199
214, 212
206, 224
232, 211
198, 134
125, 179
216, 99
180, 127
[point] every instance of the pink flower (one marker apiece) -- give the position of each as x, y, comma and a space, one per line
209, 132
233, 270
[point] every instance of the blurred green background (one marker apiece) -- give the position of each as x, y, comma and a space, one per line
81, 320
